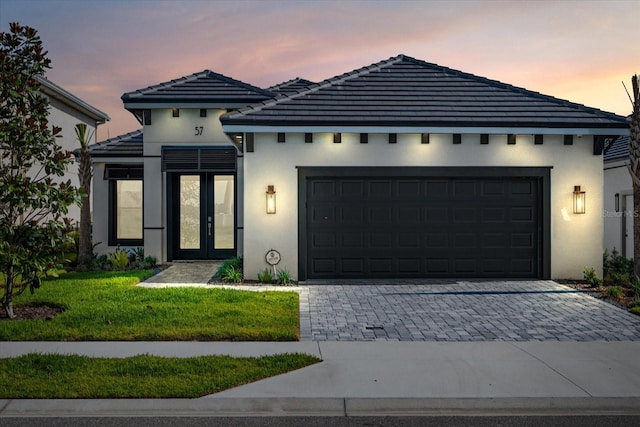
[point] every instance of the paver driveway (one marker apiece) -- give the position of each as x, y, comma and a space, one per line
460, 311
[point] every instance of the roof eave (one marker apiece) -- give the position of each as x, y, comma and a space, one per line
135, 104
497, 129
55, 91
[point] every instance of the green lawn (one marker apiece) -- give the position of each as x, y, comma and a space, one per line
37, 376
107, 306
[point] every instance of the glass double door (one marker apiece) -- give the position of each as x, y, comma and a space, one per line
202, 216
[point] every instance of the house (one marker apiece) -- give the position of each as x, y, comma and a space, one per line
618, 198
402, 168
66, 111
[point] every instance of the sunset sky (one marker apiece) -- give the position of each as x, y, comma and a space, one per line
100, 49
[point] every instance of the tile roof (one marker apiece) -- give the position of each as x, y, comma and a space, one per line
205, 86
290, 87
127, 145
618, 149
403, 91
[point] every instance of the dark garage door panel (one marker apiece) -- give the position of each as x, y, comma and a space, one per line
422, 227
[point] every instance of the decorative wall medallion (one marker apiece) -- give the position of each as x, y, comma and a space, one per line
272, 257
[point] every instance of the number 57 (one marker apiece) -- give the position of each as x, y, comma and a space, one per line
199, 130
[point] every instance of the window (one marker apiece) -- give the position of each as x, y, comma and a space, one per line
203, 112
125, 212
175, 112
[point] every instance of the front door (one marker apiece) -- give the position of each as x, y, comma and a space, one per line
202, 216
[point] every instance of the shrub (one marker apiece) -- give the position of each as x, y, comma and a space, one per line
635, 310
284, 277
229, 264
101, 262
265, 276
591, 277
635, 287
119, 259
614, 292
136, 255
620, 279
149, 262
616, 263
230, 274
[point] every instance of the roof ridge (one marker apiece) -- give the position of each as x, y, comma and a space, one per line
168, 83
317, 86
194, 76
240, 82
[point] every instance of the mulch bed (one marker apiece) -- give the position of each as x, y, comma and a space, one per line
600, 292
28, 312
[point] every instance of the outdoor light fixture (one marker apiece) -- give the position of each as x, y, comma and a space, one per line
617, 199
271, 200
578, 200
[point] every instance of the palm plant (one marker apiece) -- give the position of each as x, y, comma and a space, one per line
85, 173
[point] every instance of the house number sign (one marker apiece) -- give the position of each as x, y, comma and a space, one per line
272, 257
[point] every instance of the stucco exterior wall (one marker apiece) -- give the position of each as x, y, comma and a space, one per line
576, 240
617, 180
100, 206
166, 130
100, 217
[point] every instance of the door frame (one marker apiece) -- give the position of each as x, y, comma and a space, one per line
206, 208
544, 208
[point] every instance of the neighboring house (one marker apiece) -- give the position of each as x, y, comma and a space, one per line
399, 169
618, 198
66, 111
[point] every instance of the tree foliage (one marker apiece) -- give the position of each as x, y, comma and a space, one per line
34, 199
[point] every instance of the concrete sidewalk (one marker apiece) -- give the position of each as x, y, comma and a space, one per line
393, 378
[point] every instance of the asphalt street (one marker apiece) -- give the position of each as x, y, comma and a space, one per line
373, 421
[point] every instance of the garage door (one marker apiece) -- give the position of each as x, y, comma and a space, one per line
455, 227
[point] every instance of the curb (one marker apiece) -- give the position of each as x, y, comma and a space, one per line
317, 407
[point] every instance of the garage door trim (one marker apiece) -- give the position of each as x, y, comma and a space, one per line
543, 173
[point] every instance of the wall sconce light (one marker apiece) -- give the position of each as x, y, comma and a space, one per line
271, 200
578, 200
617, 199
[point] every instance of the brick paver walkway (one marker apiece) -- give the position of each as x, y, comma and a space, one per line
460, 311
184, 273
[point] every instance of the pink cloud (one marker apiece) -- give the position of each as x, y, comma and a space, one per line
574, 50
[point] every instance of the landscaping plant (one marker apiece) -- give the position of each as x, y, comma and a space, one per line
232, 275
265, 276
614, 292
230, 270
591, 277
119, 259
34, 199
284, 277
85, 174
